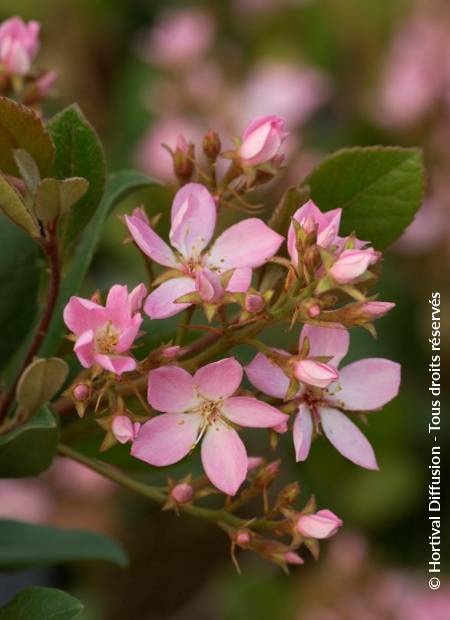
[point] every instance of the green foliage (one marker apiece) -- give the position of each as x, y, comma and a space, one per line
42, 604
12, 205
118, 187
23, 545
379, 189
21, 128
78, 154
19, 281
55, 197
40, 381
29, 449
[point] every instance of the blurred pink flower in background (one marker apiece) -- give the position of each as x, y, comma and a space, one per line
426, 231
286, 89
416, 72
25, 500
179, 37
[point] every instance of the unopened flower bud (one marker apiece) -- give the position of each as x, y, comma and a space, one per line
254, 302
81, 392
170, 352
315, 373
291, 557
182, 493
281, 428
254, 462
243, 537
211, 145
19, 43
262, 140
314, 311
375, 309
322, 524
124, 430
267, 474
183, 159
351, 264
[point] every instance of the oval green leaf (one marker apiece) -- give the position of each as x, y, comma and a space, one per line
12, 205
24, 545
40, 381
37, 603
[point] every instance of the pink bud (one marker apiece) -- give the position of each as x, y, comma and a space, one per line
314, 311
243, 538
291, 557
376, 309
182, 493
322, 524
254, 462
351, 264
19, 43
182, 144
124, 430
315, 373
81, 392
170, 352
209, 286
140, 213
281, 428
45, 83
262, 140
253, 302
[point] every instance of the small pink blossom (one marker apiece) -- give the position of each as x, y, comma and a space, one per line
242, 247
292, 557
19, 43
124, 430
322, 524
182, 493
352, 264
106, 333
363, 386
198, 408
262, 139
376, 309
254, 302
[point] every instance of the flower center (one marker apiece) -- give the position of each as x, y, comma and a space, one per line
106, 339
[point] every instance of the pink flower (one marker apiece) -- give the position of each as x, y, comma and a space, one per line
365, 385
261, 140
19, 43
105, 334
124, 430
182, 493
351, 264
322, 524
243, 246
202, 407
180, 37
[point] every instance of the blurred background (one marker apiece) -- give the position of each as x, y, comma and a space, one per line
342, 73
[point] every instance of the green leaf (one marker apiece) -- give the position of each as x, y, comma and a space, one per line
78, 154
40, 381
25, 544
29, 449
21, 128
12, 205
379, 189
19, 281
54, 197
118, 187
37, 603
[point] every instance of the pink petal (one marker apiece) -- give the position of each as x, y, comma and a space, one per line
224, 458
219, 379
302, 432
333, 340
209, 285
136, 297
167, 438
149, 242
347, 438
194, 214
117, 306
123, 429
84, 348
249, 243
367, 384
240, 280
251, 412
160, 304
315, 373
171, 389
266, 376
82, 314
115, 363
129, 334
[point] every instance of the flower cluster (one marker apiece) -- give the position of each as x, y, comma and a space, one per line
181, 396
